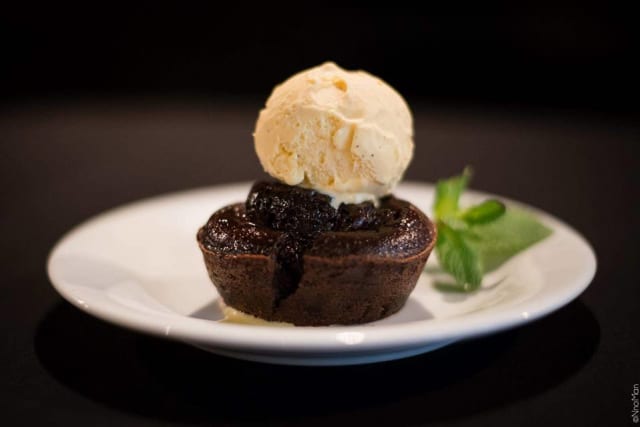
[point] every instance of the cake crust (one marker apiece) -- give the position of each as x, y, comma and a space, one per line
339, 274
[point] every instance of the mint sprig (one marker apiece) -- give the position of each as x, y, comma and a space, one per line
480, 238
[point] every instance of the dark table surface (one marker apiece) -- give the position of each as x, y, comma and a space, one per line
62, 163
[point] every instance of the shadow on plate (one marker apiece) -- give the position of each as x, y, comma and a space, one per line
211, 311
174, 382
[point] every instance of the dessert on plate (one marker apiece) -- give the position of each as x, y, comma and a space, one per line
325, 242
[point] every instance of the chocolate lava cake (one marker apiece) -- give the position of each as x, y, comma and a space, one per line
287, 255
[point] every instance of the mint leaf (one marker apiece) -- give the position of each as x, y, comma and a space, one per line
497, 241
448, 193
458, 258
484, 212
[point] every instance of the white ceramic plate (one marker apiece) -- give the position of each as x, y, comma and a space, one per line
139, 266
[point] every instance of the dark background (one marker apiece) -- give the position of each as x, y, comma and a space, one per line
103, 106
570, 58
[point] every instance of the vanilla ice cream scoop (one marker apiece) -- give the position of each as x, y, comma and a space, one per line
343, 133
